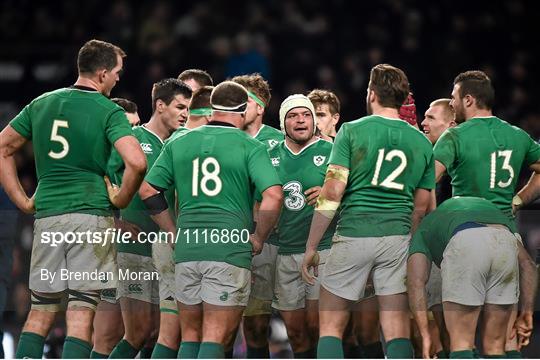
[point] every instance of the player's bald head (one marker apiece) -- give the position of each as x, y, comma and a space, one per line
229, 96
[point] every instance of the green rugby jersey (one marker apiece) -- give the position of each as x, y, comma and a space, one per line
72, 132
178, 132
298, 173
269, 136
437, 228
215, 170
136, 212
387, 160
484, 156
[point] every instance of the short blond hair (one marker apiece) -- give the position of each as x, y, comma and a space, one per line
445, 103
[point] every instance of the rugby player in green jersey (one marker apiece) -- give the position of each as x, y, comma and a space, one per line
437, 118
484, 154
300, 161
139, 296
257, 315
259, 98
470, 239
327, 108
169, 330
72, 131
380, 177
108, 325
215, 170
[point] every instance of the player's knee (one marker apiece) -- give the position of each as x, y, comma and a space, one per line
256, 327
47, 303
85, 299
297, 334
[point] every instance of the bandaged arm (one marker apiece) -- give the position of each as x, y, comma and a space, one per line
328, 202
154, 200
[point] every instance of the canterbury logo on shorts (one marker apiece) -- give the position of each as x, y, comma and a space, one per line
135, 288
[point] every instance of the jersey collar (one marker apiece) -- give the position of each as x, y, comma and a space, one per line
220, 123
258, 132
83, 88
304, 148
151, 132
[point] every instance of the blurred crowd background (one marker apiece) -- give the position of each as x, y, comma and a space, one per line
297, 45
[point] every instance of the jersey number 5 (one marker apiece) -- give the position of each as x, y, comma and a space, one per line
208, 176
389, 181
506, 154
59, 138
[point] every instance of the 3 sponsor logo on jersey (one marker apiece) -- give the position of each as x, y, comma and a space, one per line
318, 160
146, 148
275, 161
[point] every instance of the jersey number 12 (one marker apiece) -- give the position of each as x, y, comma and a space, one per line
389, 182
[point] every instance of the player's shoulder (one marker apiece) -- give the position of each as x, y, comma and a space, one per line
516, 130
272, 130
324, 145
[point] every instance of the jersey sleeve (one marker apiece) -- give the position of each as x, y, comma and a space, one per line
261, 171
428, 179
22, 124
533, 152
445, 150
161, 173
418, 244
117, 126
341, 151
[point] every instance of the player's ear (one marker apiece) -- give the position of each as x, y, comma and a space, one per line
335, 119
260, 110
102, 74
159, 105
371, 96
469, 100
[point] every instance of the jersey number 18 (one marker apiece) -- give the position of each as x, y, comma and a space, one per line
207, 176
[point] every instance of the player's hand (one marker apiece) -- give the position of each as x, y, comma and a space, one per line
517, 203
29, 205
112, 190
523, 328
311, 259
312, 194
125, 226
256, 244
407, 111
426, 347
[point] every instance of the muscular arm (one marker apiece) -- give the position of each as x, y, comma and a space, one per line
268, 211
531, 191
135, 167
422, 202
327, 204
162, 218
10, 142
440, 169
528, 281
418, 269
